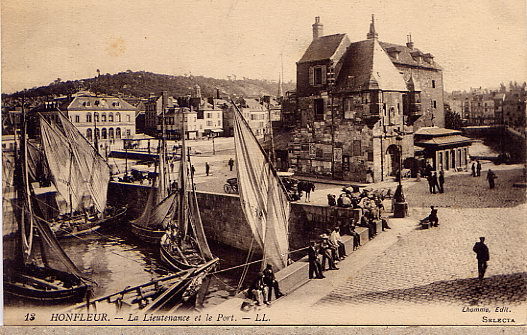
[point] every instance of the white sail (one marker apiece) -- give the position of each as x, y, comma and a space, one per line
93, 168
262, 196
63, 167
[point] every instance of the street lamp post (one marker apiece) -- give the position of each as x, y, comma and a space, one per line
213, 147
400, 206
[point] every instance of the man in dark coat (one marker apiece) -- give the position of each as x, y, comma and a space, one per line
490, 177
431, 185
207, 168
315, 268
482, 254
271, 283
478, 168
473, 169
441, 180
231, 163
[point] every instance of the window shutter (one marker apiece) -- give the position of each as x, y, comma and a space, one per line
324, 75
311, 76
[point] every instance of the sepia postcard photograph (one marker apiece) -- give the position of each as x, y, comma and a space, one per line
257, 163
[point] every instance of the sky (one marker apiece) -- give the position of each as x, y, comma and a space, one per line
477, 42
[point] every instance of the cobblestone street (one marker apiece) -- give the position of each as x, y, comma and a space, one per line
438, 264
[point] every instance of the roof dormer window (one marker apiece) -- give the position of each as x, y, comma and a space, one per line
417, 56
393, 53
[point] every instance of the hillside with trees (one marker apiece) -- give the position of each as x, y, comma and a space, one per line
141, 84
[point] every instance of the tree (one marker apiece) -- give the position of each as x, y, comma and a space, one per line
453, 120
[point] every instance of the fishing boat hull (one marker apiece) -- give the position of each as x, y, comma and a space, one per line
166, 293
172, 262
37, 287
152, 236
83, 227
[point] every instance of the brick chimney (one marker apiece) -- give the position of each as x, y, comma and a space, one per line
318, 28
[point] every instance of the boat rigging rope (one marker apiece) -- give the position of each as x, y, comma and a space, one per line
246, 269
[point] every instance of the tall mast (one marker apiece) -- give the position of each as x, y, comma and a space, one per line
183, 187
27, 241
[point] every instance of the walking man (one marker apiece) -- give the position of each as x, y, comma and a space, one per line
473, 169
441, 180
207, 168
478, 168
231, 163
482, 254
490, 177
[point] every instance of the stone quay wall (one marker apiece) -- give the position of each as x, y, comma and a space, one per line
224, 221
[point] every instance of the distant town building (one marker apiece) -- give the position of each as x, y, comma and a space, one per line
256, 113
359, 103
154, 107
103, 116
514, 109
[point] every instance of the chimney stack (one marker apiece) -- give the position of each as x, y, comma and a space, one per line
372, 34
409, 42
318, 28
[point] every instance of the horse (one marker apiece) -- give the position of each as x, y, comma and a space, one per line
306, 186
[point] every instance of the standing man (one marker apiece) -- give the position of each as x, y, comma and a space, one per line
315, 268
478, 168
482, 254
441, 180
207, 168
473, 169
231, 163
490, 177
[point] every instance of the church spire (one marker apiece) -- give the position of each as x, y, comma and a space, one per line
372, 34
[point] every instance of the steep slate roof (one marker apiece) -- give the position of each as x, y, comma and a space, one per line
325, 47
367, 66
405, 56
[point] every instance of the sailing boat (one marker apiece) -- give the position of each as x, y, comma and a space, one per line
28, 273
262, 195
184, 244
160, 207
81, 178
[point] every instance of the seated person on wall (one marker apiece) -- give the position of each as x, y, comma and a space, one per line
356, 237
344, 201
331, 200
327, 253
333, 245
336, 239
271, 283
258, 290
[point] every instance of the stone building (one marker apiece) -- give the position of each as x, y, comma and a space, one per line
255, 112
443, 148
514, 109
154, 107
359, 103
106, 117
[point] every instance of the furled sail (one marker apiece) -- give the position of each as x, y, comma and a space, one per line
262, 196
64, 168
159, 210
93, 168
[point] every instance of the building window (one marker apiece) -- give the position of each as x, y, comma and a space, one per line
128, 117
110, 133
96, 117
435, 104
356, 148
77, 118
118, 116
117, 132
97, 133
433, 84
346, 163
88, 117
319, 109
128, 133
103, 117
110, 117
104, 134
89, 134
317, 75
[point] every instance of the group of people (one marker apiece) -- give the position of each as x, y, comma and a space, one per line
261, 289
435, 182
329, 250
